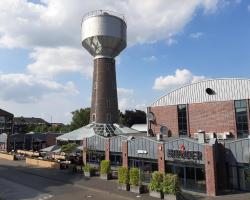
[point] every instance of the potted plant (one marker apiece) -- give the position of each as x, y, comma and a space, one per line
105, 170
123, 178
135, 180
155, 185
88, 170
170, 187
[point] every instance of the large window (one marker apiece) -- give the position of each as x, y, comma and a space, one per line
191, 177
115, 159
241, 118
182, 119
95, 156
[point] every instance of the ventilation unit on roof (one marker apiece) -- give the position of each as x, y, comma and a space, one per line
210, 91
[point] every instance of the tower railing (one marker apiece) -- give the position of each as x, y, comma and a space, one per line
103, 12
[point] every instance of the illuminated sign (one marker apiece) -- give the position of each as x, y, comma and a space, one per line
184, 154
142, 152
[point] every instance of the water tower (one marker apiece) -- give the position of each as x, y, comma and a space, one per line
104, 36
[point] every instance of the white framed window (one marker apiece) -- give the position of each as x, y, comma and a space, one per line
108, 116
108, 103
93, 117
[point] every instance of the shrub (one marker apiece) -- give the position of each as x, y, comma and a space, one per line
105, 167
156, 182
134, 176
170, 184
123, 175
88, 168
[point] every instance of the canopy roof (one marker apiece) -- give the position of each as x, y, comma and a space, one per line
140, 127
90, 130
78, 134
53, 148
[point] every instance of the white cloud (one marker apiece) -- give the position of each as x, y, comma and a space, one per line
125, 91
150, 58
127, 100
53, 61
171, 41
196, 35
181, 77
53, 105
57, 23
22, 88
51, 29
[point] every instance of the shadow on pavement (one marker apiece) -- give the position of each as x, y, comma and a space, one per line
21, 182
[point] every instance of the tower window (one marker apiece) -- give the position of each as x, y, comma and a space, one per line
108, 117
241, 118
93, 117
95, 85
182, 119
108, 103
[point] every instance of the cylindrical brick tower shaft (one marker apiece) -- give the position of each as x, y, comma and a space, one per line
104, 37
104, 107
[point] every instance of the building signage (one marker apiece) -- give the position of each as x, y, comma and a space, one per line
142, 152
184, 154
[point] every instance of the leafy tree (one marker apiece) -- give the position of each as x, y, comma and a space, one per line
80, 118
68, 148
131, 117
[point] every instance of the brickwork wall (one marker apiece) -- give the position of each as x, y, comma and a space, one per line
42, 163
125, 153
6, 156
167, 116
212, 117
51, 139
107, 147
161, 158
248, 112
210, 168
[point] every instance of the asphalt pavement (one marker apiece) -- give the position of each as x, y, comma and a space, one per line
20, 182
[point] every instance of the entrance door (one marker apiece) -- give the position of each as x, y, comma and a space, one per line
181, 172
190, 177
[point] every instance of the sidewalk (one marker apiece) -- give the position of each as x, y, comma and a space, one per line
96, 185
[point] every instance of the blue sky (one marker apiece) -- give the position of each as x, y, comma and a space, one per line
45, 72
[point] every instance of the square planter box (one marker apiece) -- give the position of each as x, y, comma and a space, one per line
88, 174
136, 189
171, 197
106, 176
124, 187
155, 194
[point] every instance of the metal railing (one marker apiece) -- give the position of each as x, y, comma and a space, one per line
103, 12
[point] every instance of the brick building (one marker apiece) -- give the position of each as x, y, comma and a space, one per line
31, 141
199, 131
6, 122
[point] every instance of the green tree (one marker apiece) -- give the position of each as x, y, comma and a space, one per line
131, 117
80, 118
68, 148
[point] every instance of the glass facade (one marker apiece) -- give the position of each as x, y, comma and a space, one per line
147, 166
95, 156
115, 159
238, 177
241, 115
182, 119
191, 177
